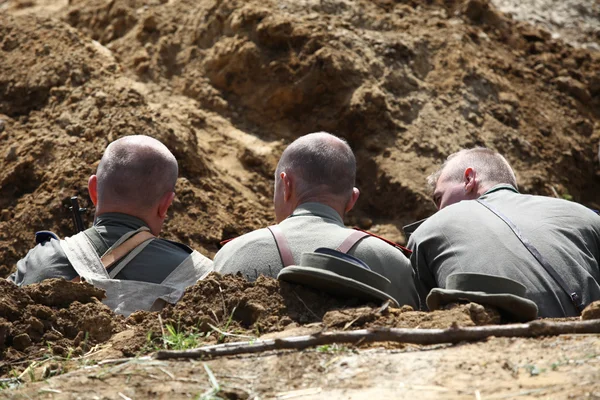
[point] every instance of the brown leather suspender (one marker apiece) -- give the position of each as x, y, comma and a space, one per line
286, 254
282, 245
351, 240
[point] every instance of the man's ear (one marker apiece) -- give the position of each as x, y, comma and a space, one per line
93, 189
353, 199
165, 203
470, 180
288, 185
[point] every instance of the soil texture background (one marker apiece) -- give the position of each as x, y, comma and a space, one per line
226, 85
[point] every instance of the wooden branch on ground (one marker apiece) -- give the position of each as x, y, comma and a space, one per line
414, 336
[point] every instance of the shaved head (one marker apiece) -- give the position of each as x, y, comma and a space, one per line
320, 160
492, 168
136, 171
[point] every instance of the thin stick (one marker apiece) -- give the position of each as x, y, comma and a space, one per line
304, 304
214, 328
415, 336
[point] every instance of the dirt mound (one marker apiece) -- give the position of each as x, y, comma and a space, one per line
407, 83
226, 308
54, 318
226, 84
63, 98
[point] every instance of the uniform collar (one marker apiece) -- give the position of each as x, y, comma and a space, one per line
119, 219
317, 209
501, 186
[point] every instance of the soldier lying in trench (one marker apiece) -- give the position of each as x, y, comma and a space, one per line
132, 190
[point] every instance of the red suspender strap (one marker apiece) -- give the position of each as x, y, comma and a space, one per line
406, 251
351, 240
282, 245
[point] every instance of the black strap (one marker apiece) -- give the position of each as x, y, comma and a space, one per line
573, 295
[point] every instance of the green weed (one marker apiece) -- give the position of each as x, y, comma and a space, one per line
332, 348
212, 393
181, 340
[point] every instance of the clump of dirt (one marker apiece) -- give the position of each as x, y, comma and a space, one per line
470, 314
232, 303
592, 311
51, 294
44, 319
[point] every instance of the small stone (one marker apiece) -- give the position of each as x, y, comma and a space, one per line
573, 88
150, 23
2, 125
21, 342
11, 154
64, 120
5, 215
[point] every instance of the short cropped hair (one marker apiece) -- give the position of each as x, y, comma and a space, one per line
320, 159
492, 168
136, 171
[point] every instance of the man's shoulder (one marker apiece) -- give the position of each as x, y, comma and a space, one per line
545, 206
258, 236
251, 239
175, 246
379, 246
46, 260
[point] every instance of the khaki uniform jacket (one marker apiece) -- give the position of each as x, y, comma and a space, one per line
467, 237
314, 225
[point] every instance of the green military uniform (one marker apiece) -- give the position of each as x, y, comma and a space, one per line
153, 264
314, 225
467, 237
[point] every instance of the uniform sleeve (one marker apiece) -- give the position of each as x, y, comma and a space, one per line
424, 279
46, 260
409, 289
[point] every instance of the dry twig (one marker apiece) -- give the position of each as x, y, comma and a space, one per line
415, 336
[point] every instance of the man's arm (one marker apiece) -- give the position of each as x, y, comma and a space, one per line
424, 279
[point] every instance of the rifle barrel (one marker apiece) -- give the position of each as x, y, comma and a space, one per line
76, 211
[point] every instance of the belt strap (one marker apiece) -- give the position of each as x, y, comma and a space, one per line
351, 240
573, 295
282, 245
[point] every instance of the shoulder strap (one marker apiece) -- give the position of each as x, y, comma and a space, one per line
85, 260
351, 240
118, 252
83, 257
573, 295
282, 245
114, 271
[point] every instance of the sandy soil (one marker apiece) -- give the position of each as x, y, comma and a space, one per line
557, 368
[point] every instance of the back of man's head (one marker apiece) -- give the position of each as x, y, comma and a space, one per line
135, 173
320, 161
491, 168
